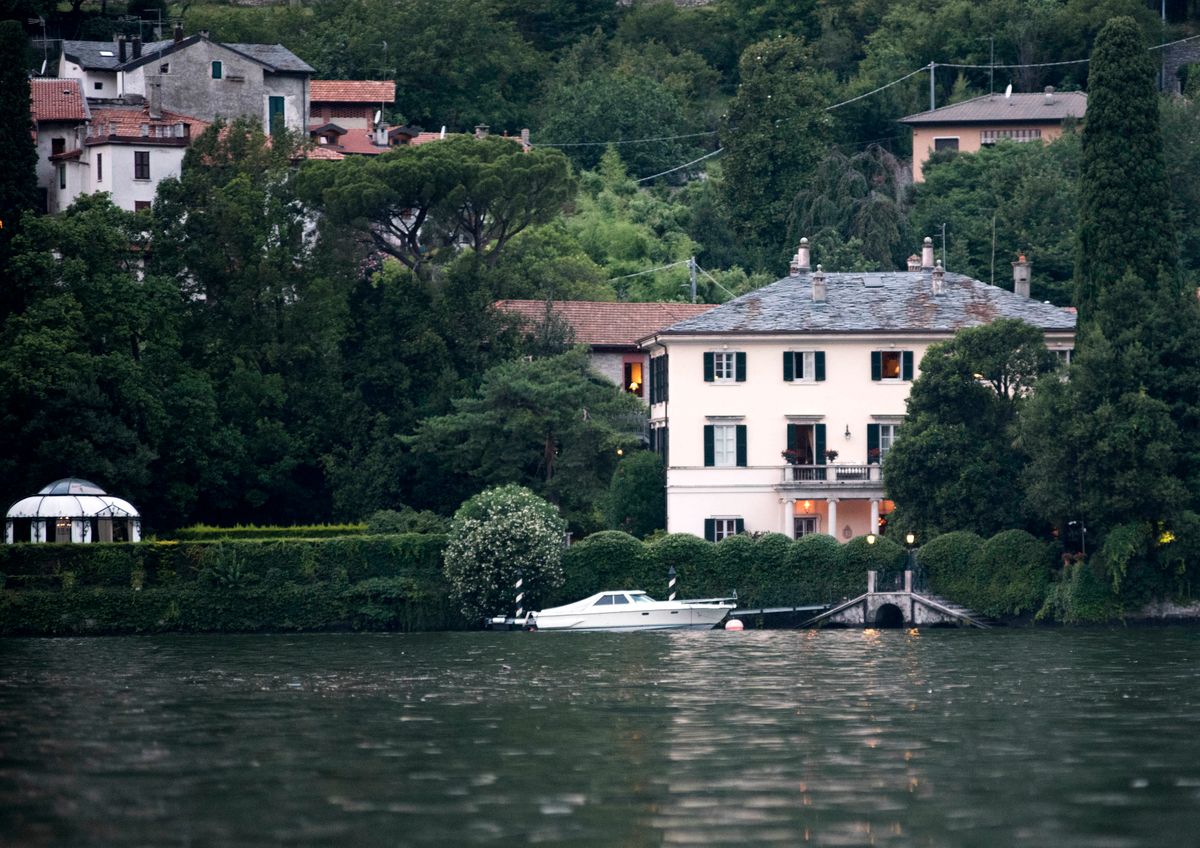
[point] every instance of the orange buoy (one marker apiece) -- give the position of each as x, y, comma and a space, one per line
734, 624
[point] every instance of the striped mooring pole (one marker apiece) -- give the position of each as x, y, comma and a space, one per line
520, 590
671, 583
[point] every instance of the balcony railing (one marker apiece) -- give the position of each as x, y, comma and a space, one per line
870, 473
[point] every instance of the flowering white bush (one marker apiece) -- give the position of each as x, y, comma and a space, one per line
496, 535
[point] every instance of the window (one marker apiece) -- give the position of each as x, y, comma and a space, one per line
274, 113
945, 144
62, 176
1064, 356
62, 530
891, 365
57, 146
805, 454
880, 438
992, 136
606, 601
141, 164
724, 445
658, 379
619, 599
659, 442
139, 205
724, 367
803, 366
805, 525
99, 86
634, 380
99, 167
716, 529
164, 68
217, 70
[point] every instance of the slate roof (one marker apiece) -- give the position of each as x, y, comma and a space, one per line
57, 100
275, 55
607, 325
996, 108
857, 303
352, 91
89, 54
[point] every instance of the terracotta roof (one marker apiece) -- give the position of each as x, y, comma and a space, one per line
127, 122
353, 91
996, 108
607, 324
57, 100
326, 153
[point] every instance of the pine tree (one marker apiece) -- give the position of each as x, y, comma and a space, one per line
18, 176
1125, 223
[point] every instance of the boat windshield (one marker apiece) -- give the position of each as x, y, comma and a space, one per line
643, 599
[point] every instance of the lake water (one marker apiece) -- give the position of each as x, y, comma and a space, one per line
937, 738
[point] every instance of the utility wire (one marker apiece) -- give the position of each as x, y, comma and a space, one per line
627, 141
650, 271
877, 90
714, 279
679, 167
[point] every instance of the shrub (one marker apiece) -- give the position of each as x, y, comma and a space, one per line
770, 581
406, 520
636, 501
730, 570
609, 559
203, 532
689, 555
495, 536
858, 556
1010, 573
947, 562
1082, 597
815, 562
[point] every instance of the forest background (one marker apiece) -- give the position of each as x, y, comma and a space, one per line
311, 381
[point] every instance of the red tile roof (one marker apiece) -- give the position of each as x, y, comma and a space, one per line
352, 91
326, 153
126, 122
57, 100
607, 324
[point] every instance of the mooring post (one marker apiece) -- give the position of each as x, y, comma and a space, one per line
870, 582
908, 581
671, 583
520, 589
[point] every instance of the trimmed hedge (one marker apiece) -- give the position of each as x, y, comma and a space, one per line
366, 582
205, 533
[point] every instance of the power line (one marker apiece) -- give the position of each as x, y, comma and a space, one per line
650, 271
877, 90
679, 167
1034, 65
628, 141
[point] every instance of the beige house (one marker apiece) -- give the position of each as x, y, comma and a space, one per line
774, 411
976, 123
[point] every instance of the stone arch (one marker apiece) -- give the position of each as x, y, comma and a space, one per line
889, 616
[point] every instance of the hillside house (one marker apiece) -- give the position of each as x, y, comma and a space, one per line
983, 121
775, 410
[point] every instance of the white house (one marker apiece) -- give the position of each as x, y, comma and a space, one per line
774, 410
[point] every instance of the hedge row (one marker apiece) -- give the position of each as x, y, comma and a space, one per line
240, 564
768, 570
1007, 575
203, 532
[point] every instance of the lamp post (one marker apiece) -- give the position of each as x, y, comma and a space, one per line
1082, 535
910, 541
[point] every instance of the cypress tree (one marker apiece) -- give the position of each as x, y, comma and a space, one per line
1125, 223
18, 174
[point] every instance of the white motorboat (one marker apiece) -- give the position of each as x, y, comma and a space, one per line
629, 610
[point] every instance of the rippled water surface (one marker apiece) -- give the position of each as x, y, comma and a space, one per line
939, 738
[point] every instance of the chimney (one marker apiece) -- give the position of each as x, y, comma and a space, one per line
121, 49
800, 262
137, 47
938, 279
914, 263
204, 34
818, 285
178, 35
481, 130
154, 107
927, 253
1021, 275
525, 138
1049, 94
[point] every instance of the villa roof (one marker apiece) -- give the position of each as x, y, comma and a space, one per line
57, 100
352, 91
600, 324
888, 302
996, 108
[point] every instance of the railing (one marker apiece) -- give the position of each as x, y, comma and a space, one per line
832, 473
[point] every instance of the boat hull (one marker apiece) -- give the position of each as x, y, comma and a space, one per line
682, 617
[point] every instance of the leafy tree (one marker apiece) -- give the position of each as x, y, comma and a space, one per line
1122, 230
551, 25
551, 424
637, 496
18, 179
774, 135
954, 466
404, 202
496, 536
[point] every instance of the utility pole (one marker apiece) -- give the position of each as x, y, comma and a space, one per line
692, 272
943, 244
932, 96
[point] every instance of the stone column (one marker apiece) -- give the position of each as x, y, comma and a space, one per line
789, 517
874, 517
832, 515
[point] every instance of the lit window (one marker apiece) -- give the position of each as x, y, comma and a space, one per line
634, 381
806, 525
891, 364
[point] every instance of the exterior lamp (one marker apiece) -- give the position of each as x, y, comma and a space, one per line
620, 451
847, 431
910, 538
870, 538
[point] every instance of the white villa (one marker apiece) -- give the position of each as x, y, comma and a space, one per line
773, 411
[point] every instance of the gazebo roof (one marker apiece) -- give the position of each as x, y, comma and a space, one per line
72, 498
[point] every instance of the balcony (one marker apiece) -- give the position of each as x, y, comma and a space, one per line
832, 476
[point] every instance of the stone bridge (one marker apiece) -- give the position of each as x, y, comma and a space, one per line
895, 608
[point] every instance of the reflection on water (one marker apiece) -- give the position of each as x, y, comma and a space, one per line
891, 738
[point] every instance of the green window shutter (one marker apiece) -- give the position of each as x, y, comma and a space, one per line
739, 525
216, 70
739, 367
820, 428
662, 392
872, 443
793, 437
741, 446
819, 356
274, 114
789, 366
653, 440
708, 367
665, 442
709, 450
710, 530
906, 365
876, 365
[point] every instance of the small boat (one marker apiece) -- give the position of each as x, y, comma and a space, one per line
629, 610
